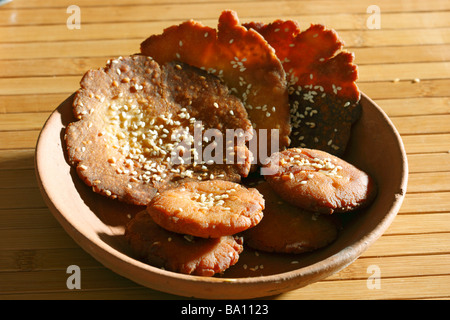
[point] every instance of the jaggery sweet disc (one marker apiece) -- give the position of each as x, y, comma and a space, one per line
180, 253
323, 94
286, 228
141, 127
317, 181
207, 209
242, 59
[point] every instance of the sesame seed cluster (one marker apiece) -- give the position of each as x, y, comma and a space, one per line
208, 200
321, 165
153, 143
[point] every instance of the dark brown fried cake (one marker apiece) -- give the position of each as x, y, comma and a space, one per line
323, 95
318, 181
180, 253
288, 229
143, 127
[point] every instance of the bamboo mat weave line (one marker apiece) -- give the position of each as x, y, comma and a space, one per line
404, 67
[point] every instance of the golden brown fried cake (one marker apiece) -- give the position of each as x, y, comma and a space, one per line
136, 127
318, 181
323, 95
207, 209
241, 57
288, 229
180, 253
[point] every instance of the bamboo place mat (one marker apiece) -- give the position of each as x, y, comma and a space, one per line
404, 66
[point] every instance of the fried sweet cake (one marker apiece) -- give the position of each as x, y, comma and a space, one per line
181, 253
207, 209
141, 128
286, 228
317, 181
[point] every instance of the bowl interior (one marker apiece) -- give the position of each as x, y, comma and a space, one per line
97, 223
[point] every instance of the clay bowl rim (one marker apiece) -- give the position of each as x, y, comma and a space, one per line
150, 276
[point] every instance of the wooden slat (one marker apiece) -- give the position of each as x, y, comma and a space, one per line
397, 288
410, 244
134, 293
86, 3
405, 89
402, 266
18, 140
391, 288
38, 238
123, 30
130, 45
21, 198
31, 103
97, 48
45, 259
16, 158
428, 182
422, 124
27, 218
420, 223
36, 85
23, 121
426, 202
433, 162
427, 143
415, 106
49, 66
389, 6
401, 54
180, 11
18, 178
53, 280
405, 71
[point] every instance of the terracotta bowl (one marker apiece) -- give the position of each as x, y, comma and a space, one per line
97, 223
